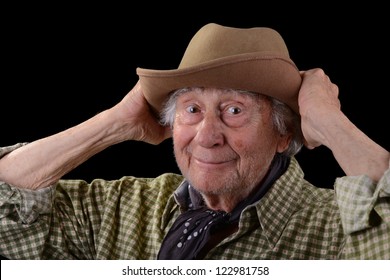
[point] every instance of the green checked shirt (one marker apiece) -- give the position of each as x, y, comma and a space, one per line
128, 219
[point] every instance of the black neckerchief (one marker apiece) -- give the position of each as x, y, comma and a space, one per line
194, 228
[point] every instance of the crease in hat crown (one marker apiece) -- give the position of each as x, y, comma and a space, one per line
214, 41
254, 59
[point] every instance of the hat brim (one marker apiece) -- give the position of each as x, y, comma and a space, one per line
268, 74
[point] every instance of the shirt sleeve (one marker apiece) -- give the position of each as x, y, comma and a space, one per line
365, 214
23, 213
24, 221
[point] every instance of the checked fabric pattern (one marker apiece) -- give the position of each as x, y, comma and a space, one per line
129, 217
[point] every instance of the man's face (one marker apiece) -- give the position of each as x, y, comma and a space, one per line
224, 141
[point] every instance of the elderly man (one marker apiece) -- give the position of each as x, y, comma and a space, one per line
238, 110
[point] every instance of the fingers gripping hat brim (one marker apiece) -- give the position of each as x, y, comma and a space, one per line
254, 59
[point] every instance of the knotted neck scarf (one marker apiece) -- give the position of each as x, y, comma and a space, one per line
191, 235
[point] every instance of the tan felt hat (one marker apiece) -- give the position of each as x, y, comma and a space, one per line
252, 59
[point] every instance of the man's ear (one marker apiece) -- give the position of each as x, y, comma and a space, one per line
283, 142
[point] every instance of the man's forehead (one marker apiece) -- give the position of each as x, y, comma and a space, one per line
222, 91
220, 94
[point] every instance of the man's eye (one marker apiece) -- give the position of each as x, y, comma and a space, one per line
192, 109
234, 110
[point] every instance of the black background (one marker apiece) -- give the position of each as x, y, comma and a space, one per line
63, 64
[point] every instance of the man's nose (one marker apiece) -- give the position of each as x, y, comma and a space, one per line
210, 131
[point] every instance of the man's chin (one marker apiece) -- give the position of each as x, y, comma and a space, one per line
211, 187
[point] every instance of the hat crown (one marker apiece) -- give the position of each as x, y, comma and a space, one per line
214, 41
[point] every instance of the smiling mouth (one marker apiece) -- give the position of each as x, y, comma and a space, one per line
212, 161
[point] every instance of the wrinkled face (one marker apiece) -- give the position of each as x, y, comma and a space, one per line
224, 141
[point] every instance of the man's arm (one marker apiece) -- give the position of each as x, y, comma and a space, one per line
323, 123
363, 195
43, 162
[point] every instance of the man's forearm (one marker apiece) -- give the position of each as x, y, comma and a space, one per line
355, 152
42, 162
